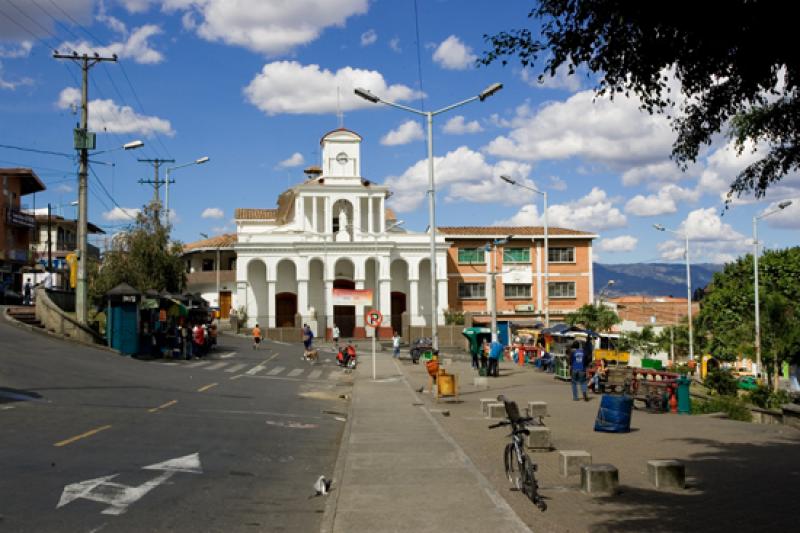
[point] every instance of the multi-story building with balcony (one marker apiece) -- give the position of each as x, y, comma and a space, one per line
211, 271
49, 252
16, 226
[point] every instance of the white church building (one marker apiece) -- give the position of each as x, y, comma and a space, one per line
332, 250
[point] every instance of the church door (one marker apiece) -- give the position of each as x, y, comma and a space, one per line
285, 309
398, 308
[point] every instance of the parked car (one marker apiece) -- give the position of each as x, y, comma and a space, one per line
747, 383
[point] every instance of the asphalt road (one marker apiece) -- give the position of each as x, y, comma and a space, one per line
233, 444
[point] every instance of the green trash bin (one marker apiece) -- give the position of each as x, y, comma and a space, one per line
684, 399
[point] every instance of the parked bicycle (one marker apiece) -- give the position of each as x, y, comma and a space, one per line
520, 469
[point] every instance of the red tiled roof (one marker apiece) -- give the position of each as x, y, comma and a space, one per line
508, 230
243, 213
226, 240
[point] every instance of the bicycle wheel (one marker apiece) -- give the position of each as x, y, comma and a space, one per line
531, 486
513, 471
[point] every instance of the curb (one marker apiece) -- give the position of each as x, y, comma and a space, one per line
44, 332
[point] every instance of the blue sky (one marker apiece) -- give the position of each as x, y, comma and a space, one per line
253, 85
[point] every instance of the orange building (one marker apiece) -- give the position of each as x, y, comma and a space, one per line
519, 276
16, 226
653, 310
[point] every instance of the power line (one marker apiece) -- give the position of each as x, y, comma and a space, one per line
136, 96
37, 151
113, 201
43, 10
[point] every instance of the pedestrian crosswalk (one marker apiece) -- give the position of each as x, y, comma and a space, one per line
263, 369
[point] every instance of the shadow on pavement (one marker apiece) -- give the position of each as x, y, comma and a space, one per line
755, 487
8, 395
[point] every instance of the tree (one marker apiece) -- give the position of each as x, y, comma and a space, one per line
736, 63
143, 256
644, 341
595, 317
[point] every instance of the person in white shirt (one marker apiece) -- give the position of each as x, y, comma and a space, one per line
396, 345
335, 335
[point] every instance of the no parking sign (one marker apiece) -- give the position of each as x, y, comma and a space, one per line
373, 318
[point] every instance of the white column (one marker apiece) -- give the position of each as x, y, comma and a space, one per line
381, 215
270, 304
356, 217
329, 303
370, 227
385, 288
539, 253
314, 221
443, 300
302, 297
413, 292
300, 212
328, 223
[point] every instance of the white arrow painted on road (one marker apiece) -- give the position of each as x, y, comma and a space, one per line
119, 496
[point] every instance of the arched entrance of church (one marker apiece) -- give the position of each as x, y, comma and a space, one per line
344, 316
399, 293
285, 309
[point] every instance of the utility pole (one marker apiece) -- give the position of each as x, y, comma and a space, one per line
84, 141
156, 182
49, 239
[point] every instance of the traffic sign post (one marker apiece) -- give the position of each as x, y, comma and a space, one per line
373, 319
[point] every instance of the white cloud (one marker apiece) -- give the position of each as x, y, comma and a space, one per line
593, 212
463, 175
64, 188
787, 218
452, 54
623, 243
557, 184
292, 88
136, 6
106, 116
405, 133
458, 126
126, 214
28, 17
595, 128
212, 212
295, 160
561, 80
267, 27
368, 37
23, 49
394, 44
661, 172
136, 47
710, 239
11, 85
662, 203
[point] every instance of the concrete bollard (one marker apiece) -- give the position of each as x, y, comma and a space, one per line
667, 474
481, 382
537, 409
485, 402
496, 410
539, 438
571, 461
599, 479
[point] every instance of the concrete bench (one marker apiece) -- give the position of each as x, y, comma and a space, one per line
496, 410
537, 409
599, 479
485, 402
481, 382
666, 474
571, 461
539, 438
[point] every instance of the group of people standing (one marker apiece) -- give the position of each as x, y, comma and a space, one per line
185, 339
487, 358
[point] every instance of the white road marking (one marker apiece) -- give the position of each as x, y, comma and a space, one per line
170, 363
216, 366
119, 496
296, 372
226, 355
275, 371
197, 363
236, 368
314, 374
255, 370
293, 425
279, 342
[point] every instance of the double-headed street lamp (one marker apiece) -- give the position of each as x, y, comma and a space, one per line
685, 235
486, 93
200, 161
781, 206
546, 291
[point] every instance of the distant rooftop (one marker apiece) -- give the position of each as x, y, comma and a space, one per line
511, 230
226, 240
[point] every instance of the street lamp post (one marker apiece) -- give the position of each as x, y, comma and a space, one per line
486, 93
546, 291
685, 235
199, 161
781, 206
604, 290
492, 249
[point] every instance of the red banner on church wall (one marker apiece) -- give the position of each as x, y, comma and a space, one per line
352, 297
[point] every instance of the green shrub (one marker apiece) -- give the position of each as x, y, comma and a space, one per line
731, 406
453, 318
766, 399
722, 382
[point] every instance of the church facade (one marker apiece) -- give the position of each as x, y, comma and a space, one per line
331, 250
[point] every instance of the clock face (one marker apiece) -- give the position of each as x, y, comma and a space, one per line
341, 158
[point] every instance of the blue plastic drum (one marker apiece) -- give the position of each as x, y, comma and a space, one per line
614, 415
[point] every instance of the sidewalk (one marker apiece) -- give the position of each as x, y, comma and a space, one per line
406, 467
398, 470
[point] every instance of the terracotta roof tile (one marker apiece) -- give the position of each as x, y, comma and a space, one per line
508, 230
243, 213
226, 240
390, 214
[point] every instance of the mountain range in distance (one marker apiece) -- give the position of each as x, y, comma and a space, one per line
651, 279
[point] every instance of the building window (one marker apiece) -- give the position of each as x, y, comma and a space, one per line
561, 255
516, 255
562, 289
188, 267
471, 255
515, 290
232, 263
208, 265
472, 291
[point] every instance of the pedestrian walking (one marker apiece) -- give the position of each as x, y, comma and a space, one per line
484, 354
186, 342
396, 345
578, 365
335, 335
198, 341
308, 337
27, 293
495, 353
256, 337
